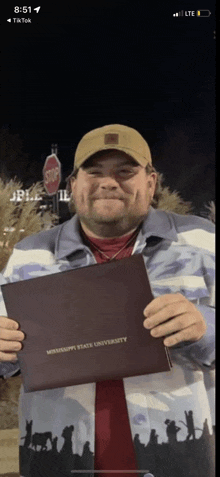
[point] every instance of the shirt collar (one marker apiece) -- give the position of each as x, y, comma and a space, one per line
157, 223
68, 239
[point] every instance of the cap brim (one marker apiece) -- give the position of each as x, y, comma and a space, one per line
142, 161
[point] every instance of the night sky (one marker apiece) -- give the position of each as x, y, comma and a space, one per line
84, 64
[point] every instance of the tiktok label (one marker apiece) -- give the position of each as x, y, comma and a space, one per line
21, 20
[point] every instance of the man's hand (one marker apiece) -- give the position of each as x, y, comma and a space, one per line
10, 339
173, 313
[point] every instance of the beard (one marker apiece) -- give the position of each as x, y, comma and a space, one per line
110, 225
111, 215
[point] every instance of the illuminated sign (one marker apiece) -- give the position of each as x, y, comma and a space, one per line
20, 194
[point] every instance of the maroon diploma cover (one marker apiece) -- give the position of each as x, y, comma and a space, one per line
85, 325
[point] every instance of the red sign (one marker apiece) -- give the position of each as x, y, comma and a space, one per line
52, 174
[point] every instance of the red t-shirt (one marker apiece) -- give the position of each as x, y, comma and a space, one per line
114, 449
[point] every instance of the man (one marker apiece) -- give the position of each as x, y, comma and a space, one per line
112, 185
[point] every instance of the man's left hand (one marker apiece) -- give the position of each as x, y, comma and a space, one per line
174, 315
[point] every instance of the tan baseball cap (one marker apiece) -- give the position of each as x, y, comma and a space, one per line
113, 136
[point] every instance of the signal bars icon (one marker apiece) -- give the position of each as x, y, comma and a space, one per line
179, 14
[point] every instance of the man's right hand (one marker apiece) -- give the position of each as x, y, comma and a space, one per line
10, 339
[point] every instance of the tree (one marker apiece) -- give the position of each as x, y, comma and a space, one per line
20, 219
166, 199
15, 163
209, 211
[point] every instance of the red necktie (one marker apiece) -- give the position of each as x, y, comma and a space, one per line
114, 449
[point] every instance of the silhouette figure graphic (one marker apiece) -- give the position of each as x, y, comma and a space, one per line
40, 439
205, 430
54, 444
27, 438
190, 425
171, 431
169, 459
87, 455
137, 442
67, 446
153, 437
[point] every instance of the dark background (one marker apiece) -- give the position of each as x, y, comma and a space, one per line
84, 64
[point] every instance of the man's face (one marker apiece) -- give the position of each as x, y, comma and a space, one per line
112, 194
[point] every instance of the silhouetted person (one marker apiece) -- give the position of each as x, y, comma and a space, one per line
153, 437
27, 438
67, 446
54, 444
171, 431
87, 455
205, 433
137, 443
190, 425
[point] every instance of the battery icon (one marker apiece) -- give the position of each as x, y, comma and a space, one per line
203, 13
